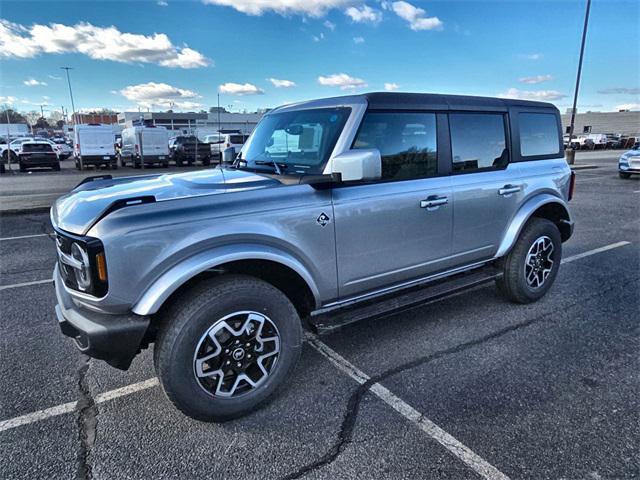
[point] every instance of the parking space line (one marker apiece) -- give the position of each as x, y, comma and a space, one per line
458, 449
71, 406
5, 239
25, 284
588, 253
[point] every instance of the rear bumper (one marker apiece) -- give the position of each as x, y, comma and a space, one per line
115, 339
33, 161
97, 159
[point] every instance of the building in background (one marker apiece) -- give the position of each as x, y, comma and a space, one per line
624, 123
223, 120
176, 123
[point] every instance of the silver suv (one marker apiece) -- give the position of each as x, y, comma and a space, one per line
334, 210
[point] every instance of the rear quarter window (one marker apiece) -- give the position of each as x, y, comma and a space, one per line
538, 134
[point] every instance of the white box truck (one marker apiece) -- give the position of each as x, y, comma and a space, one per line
94, 144
148, 142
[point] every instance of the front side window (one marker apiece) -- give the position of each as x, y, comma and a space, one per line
406, 141
538, 134
299, 142
478, 141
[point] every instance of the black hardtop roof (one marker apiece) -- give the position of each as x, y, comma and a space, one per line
386, 100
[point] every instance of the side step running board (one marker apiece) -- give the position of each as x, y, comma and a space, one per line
330, 322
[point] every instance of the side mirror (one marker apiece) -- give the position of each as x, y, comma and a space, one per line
228, 154
358, 165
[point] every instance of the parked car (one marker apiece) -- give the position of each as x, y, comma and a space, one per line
148, 142
37, 153
93, 145
227, 140
335, 210
14, 148
189, 149
64, 150
575, 144
629, 162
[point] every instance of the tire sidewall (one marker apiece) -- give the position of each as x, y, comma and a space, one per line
177, 371
536, 230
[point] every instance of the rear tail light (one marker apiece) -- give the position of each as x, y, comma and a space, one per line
572, 185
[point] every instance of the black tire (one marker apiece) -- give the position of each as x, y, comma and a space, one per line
206, 161
187, 320
56, 167
513, 283
624, 175
22, 167
114, 165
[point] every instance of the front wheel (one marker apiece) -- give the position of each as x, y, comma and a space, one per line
224, 347
624, 175
529, 270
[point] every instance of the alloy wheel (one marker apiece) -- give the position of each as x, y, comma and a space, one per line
539, 262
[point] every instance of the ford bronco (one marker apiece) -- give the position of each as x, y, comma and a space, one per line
334, 210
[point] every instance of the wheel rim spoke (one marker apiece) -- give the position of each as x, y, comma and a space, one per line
236, 354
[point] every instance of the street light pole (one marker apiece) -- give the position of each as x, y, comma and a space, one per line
73, 107
571, 153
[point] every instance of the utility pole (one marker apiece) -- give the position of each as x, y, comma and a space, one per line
6, 110
571, 154
73, 109
218, 112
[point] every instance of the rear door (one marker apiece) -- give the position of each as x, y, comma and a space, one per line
487, 187
398, 228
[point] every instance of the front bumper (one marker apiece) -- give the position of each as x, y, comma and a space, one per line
115, 339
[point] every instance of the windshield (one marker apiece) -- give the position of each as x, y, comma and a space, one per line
299, 141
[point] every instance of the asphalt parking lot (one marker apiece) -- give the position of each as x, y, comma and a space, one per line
469, 387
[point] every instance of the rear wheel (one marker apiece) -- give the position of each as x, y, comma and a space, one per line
56, 167
531, 267
624, 175
224, 347
22, 167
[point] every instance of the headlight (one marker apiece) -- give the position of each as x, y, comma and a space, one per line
83, 265
82, 268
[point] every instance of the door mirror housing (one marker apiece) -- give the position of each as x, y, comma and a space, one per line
357, 165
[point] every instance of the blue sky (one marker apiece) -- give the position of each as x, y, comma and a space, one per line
180, 54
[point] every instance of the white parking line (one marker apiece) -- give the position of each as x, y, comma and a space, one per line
458, 449
5, 239
25, 284
71, 406
588, 253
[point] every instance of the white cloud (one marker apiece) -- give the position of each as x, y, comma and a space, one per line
8, 99
282, 83
42, 103
98, 43
317, 38
32, 82
390, 87
628, 106
312, 8
161, 95
358, 40
54, 77
162, 3
531, 56
620, 91
416, 16
330, 25
342, 80
240, 89
535, 79
364, 14
542, 95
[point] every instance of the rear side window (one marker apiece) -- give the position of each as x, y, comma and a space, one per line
237, 139
538, 134
478, 141
406, 141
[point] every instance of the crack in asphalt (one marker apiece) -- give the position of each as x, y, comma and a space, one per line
353, 405
86, 421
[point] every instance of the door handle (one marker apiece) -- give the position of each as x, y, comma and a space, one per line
509, 189
433, 202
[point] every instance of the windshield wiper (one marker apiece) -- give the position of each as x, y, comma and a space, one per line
271, 162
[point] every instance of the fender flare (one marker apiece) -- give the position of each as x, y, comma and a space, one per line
167, 283
525, 212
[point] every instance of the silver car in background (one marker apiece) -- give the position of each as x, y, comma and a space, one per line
629, 162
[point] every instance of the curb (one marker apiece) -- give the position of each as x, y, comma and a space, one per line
24, 211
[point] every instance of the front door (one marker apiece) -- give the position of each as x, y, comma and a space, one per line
399, 228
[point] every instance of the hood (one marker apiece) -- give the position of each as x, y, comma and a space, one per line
631, 153
77, 211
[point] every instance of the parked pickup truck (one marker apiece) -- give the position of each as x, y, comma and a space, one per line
190, 150
335, 210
